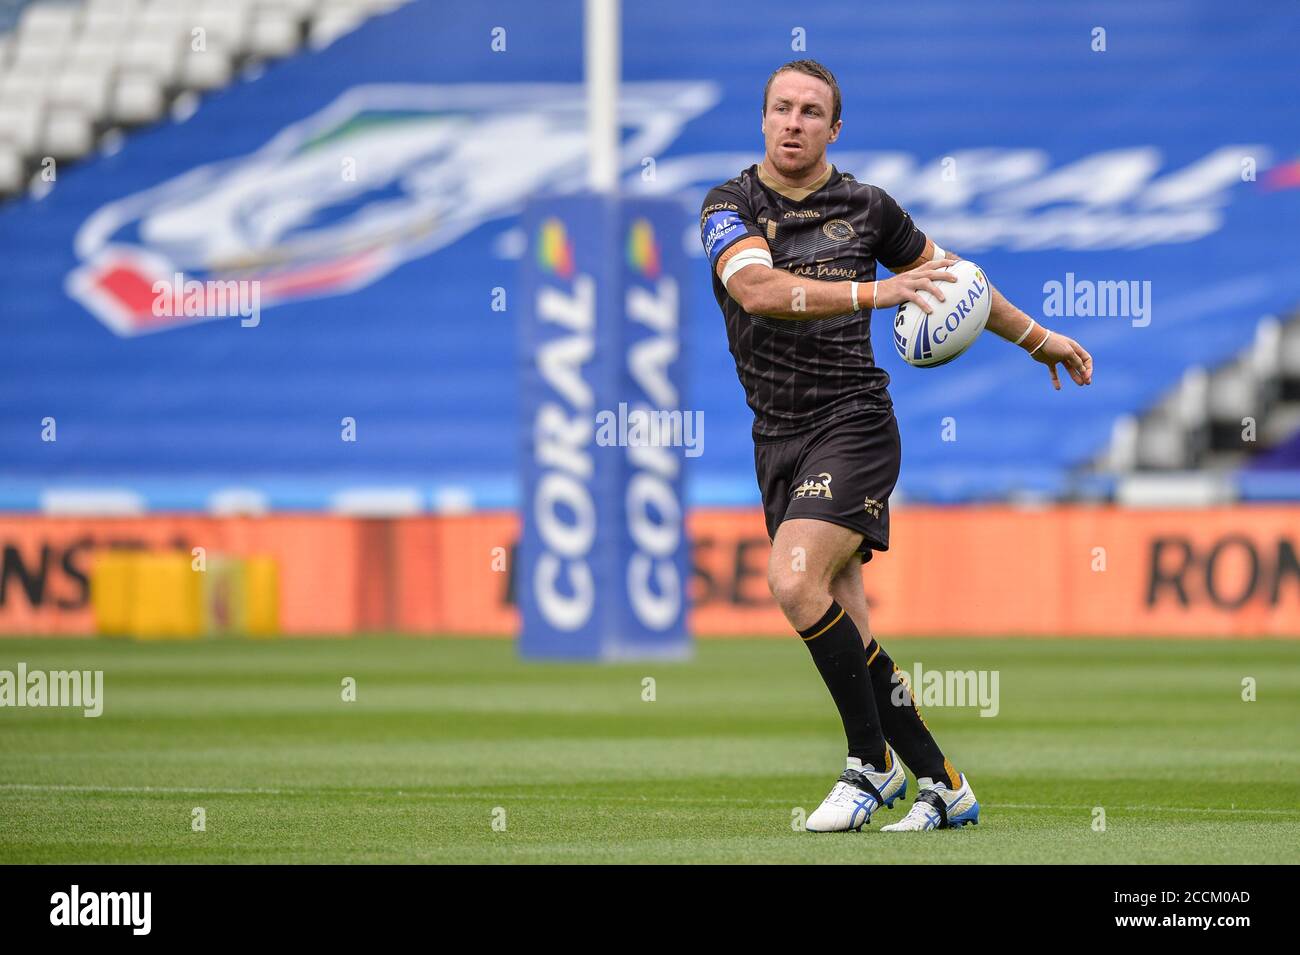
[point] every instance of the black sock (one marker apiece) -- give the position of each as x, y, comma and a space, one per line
903, 724
841, 659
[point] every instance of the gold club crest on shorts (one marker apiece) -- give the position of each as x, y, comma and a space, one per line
873, 507
815, 488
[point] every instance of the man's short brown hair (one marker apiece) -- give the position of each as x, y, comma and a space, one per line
808, 68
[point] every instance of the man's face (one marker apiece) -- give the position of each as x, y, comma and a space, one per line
797, 123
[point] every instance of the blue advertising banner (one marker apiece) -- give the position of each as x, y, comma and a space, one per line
602, 560
367, 196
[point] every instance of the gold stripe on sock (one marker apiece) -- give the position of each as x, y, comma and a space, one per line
825, 628
902, 678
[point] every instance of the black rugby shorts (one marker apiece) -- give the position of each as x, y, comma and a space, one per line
843, 472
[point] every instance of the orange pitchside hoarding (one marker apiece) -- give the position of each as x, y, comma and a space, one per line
1059, 571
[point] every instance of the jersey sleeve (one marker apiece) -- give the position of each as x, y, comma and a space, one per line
725, 219
901, 242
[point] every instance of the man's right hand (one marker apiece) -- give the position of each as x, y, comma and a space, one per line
906, 286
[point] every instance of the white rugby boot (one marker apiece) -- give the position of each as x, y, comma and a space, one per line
856, 795
939, 807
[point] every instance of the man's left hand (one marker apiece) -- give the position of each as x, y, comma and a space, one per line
1059, 350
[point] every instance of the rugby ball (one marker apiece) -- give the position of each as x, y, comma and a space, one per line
936, 339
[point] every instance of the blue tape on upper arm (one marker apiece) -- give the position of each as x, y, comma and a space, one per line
720, 230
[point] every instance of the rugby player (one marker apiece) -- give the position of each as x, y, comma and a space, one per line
793, 244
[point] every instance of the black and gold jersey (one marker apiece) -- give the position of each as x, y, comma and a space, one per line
798, 374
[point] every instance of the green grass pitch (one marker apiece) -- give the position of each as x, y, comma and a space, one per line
447, 735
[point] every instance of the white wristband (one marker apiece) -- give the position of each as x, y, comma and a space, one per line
1042, 343
853, 287
874, 285
1025, 334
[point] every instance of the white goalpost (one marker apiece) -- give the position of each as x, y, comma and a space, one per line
601, 48
603, 558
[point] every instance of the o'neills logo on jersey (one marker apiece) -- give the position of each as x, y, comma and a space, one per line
803, 214
839, 230
819, 485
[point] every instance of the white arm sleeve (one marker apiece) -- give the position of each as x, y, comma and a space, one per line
744, 258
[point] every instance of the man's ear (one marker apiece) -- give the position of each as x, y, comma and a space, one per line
835, 131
